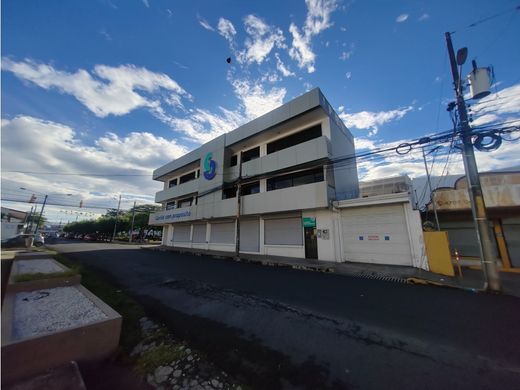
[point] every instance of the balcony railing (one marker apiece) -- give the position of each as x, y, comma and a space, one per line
315, 149
179, 190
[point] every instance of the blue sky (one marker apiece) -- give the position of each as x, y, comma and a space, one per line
122, 87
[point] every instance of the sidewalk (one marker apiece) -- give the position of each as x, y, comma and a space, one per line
472, 279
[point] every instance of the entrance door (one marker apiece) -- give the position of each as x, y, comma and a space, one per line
311, 243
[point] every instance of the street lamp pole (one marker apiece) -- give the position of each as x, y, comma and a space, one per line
476, 196
115, 222
41, 213
432, 194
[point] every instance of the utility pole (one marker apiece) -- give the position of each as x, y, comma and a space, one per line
40, 216
132, 228
239, 185
117, 215
28, 221
432, 194
478, 207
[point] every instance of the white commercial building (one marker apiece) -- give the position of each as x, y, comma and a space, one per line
294, 166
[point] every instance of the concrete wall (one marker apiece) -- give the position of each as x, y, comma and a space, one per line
345, 174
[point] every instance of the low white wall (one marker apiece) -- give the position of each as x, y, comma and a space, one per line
284, 250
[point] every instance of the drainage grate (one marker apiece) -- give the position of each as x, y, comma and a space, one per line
382, 277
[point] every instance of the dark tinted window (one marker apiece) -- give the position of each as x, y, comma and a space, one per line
251, 154
229, 192
170, 205
233, 161
250, 188
187, 177
295, 179
172, 183
294, 139
185, 202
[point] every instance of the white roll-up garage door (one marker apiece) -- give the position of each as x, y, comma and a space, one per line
222, 233
199, 232
250, 235
376, 234
181, 233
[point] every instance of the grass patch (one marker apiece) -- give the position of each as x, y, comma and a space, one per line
160, 356
101, 286
39, 275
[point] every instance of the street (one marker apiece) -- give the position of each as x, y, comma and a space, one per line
283, 328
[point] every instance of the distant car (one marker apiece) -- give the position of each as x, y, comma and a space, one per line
19, 240
90, 237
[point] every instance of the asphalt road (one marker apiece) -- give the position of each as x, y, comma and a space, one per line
277, 327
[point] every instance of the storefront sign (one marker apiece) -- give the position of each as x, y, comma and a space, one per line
172, 216
309, 222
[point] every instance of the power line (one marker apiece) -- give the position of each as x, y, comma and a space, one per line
77, 174
487, 18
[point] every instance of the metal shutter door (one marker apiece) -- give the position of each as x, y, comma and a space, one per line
376, 234
511, 227
181, 233
199, 233
250, 235
285, 231
223, 233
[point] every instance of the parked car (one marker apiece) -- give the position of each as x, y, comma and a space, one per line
90, 237
20, 239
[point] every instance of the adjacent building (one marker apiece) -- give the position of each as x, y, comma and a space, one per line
290, 164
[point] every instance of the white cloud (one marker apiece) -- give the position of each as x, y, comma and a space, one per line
423, 17
401, 18
113, 90
498, 107
284, 70
261, 40
204, 23
255, 100
54, 147
146, 3
318, 19
367, 120
226, 29
348, 75
346, 55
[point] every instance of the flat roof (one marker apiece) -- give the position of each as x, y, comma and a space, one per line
298, 106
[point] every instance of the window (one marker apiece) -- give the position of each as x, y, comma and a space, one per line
251, 154
250, 188
230, 192
170, 205
187, 177
186, 202
295, 179
172, 183
234, 161
198, 173
294, 139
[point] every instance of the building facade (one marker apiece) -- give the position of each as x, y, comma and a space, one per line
290, 165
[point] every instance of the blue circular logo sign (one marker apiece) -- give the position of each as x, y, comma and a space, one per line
210, 167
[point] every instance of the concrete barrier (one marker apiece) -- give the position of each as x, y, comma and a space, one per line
29, 356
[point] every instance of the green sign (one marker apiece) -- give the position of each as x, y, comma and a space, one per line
309, 222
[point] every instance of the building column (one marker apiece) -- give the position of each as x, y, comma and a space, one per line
501, 243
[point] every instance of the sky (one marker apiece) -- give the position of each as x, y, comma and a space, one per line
97, 94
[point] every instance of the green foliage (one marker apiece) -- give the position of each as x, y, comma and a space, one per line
160, 356
101, 286
39, 276
104, 225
